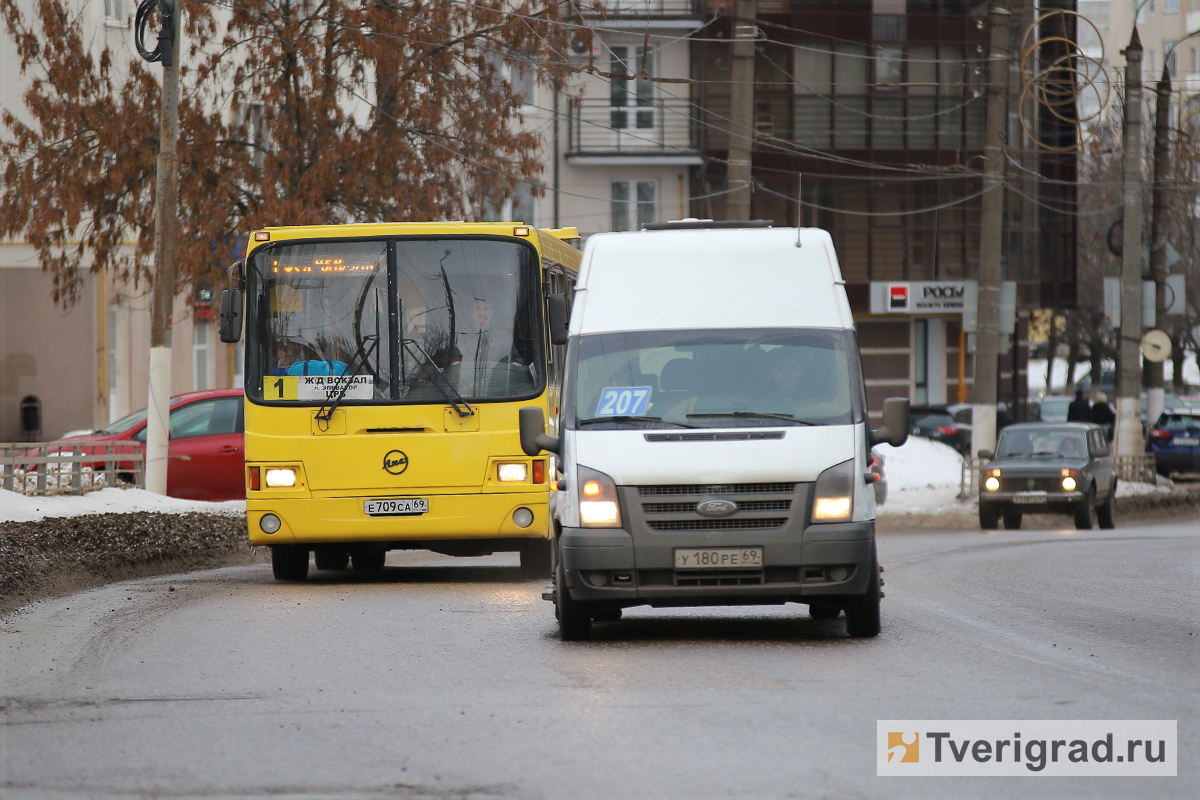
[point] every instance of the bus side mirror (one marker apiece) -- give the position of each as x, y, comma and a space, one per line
558, 315
533, 432
231, 315
894, 430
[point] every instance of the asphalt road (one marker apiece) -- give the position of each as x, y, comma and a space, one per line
445, 678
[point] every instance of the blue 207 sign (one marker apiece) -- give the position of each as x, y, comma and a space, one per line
623, 400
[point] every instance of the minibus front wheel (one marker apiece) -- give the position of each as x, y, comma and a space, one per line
862, 612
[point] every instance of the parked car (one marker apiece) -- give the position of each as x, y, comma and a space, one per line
937, 423
1065, 468
1052, 408
206, 450
1175, 441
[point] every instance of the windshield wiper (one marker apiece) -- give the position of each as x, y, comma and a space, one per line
634, 418
756, 415
347, 377
456, 401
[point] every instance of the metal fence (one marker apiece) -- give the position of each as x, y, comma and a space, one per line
1131, 469
50, 469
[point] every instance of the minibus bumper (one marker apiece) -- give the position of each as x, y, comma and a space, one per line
327, 520
624, 568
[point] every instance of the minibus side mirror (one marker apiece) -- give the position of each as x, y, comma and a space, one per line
558, 315
231, 315
533, 432
894, 430
986, 455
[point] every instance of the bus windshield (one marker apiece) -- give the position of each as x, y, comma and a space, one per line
450, 313
716, 379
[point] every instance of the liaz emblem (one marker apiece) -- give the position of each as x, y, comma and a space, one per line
395, 462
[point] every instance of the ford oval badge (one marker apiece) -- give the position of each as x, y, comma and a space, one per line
715, 507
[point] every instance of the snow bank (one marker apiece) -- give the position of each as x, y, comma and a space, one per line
923, 477
19, 508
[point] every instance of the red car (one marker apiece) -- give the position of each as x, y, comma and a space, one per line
207, 448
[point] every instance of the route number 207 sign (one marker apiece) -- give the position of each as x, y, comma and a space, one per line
622, 400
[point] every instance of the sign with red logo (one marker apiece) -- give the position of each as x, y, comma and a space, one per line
898, 297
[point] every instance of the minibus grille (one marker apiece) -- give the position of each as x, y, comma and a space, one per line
751, 524
719, 577
701, 489
745, 505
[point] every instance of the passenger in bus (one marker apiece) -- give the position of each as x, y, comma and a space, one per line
292, 361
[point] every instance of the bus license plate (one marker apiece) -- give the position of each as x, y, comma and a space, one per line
396, 507
718, 558
1030, 498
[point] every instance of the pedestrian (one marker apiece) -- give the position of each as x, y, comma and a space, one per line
1080, 409
1103, 414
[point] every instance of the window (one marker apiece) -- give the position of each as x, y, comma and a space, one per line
634, 204
1170, 6
1150, 63
1170, 57
1193, 59
114, 14
523, 209
638, 92
239, 364
522, 77
216, 417
249, 113
200, 356
921, 361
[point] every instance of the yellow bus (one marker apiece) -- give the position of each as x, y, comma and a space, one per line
385, 365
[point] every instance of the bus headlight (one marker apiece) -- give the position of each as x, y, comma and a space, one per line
598, 506
269, 523
511, 472
283, 478
992, 484
832, 502
1069, 484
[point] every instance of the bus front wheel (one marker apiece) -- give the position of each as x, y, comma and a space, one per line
535, 560
289, 562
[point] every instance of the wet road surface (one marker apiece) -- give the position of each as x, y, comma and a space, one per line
445, 678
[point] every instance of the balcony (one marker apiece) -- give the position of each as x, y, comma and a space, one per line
662, 132
618, 9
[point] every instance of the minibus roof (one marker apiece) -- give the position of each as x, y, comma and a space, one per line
711, 278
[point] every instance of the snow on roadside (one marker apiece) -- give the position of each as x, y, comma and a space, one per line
923, 477
20, 508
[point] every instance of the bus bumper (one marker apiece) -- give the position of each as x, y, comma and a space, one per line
326, 520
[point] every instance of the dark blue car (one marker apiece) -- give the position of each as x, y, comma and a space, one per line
1175, 441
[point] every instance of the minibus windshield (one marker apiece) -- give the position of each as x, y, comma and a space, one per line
459, 314
733, 378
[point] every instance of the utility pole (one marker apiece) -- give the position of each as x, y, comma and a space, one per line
741, 109
166, 234
987, 336
1152, 371
1129, 425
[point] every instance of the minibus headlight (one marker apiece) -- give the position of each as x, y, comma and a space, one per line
598, 505
511, 472
281, 478
833, 498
